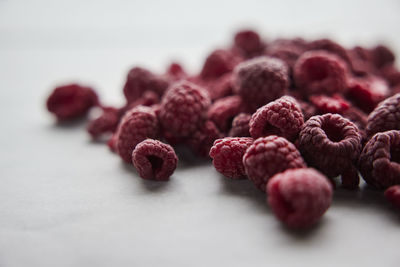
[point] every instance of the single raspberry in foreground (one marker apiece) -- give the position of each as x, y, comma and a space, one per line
392, 194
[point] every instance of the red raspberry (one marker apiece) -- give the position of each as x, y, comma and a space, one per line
299, 197
220, 87
240, 125
136, 125
391, 74
360, 63
224, 110
176, 72
381, 56
112, 143
380, 160
107, 122
249, 43
330, 143
227, 154
308, 109
386, 116
218, 63
319, 72
261, 80
268, 156
281, 117
359, 118
183, 108
71, 101
288, 50
154, 160
327, 104
203, 139
331, 47
392, 194
140, 80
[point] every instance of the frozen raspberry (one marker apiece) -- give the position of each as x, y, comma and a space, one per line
386, 116
288, 50
249, 43
281, 117
380, 160
329, 104
360, 62
183, 108
71, 101
154, 160
391, 74
140, 80
112, 143
308, 109
227, 154
331, 47
221, 87
268, 156
381, 55
107, 122
330, 143
136, 125
319, 72
176, 72
241, 126
261, 80
299, 197
203, 139
392, 194
224, 110
218, 63
359, 118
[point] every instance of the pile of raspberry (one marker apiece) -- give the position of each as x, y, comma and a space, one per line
293, 116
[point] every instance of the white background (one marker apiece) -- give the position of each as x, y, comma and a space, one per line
65, 201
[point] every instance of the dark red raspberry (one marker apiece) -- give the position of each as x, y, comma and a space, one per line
154, 160
140, 80
392, 194
288, 50
319, 72
331, 47
218, 63
281, 117
112, 143
386, 116
249, 43
227, 154
136, 125
203, 139
329, 104
224, 110
107, 122
299, 197
308, 109
330, 143
360, 62
380, 160
268, 156
71, 101
381, 56
241, 126
176, 72
359, 118
391, 74
183, 108
220, 87
261, 80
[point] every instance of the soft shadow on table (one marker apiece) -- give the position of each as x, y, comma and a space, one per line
187, 159
70, 124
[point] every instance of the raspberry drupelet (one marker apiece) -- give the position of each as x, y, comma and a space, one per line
107, 122
282, 117
268, 156
392, 194
227, 155
299, 197
218, 63
240, 125
154, 160
261, 80
379, 161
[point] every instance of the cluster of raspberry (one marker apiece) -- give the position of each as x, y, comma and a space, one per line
289, 114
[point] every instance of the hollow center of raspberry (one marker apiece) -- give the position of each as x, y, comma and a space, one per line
333, 132
156, 163
271, 130
316, 71
395, 154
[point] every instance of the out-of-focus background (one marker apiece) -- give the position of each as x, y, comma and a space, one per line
65, 201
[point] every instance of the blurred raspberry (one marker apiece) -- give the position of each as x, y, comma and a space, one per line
308, 109
240, 125
224, 110
176, 72
381, 56
331, 47
221, 87
392, 194
391, 74
203, 139
329, 104
360, 61
218, 63
107, 122
249, 43
288, 50
359, 118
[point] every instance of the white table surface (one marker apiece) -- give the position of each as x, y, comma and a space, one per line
65, 201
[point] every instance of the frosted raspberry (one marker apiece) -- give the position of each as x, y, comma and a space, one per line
218, 63
329, 104
288, 50
299, 197
381, 55
330, 143
359, 118
224, 110
319, 72
308, 109
249, 43
107, 122
380, 160
220, 87
281, 117
360, 63
183, 108
227, 154
240, 126
71, 101
203, 139
392, 194
136, 125
154, 160
268, 156
261, 80
386, 116
331, 47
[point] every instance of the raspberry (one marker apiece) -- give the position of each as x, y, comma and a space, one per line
359, 118
218, 63
220, 87
326, 104
380, 160
281, 117
287, 50
249, 43
331, 47
71, 101
392, 194
112, 143
176, 72
381, 55
268, 156
183, 108
240, 125
308, 109
135, 126
386, 116
140, 80
227, 154
261, 80
360, 61
154, 160
391, 74
203, 139
107, 122
224, 110
319, 72
299, 197
330, 143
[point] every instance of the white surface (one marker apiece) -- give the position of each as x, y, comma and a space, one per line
65, 201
